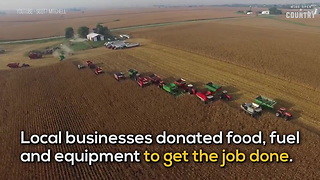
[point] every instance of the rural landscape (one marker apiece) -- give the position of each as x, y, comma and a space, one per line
146, 70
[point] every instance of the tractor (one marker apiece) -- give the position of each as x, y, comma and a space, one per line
252, 108
35, 55
25, 65
133, 73
98, 70
283, 113
119, 75
225, 96
205, 96
155, 79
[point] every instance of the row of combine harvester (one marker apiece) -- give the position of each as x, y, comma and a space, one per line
180, 86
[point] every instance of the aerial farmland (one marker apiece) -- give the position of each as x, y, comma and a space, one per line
189, 69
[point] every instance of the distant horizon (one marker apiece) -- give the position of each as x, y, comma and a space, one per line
126, 4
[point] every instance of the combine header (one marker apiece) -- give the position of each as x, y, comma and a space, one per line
265, 102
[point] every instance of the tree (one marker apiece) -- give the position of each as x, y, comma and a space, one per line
83, 31
275, 10
69, 32
103, 30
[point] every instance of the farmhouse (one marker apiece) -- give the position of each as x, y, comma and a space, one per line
95, 37
265, 12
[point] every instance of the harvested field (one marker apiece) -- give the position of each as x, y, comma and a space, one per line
60, 97
291, 55
54, 25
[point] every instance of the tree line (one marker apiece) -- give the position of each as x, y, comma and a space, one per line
83, 31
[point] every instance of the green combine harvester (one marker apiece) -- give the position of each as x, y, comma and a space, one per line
62, 57
171, 88
213, 87
132, 73
265, 102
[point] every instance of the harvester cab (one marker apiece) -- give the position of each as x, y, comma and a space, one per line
283, 113
190, 89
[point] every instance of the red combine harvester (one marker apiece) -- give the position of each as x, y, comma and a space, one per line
90, 64
282, 112
98, 70
205, 96
182, 84
155, 79
142, 81
16, 65
13, 65
119, 75
35, 55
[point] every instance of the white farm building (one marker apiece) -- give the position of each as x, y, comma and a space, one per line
95, 37
265, 12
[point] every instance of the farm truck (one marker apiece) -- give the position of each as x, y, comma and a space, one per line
251, 108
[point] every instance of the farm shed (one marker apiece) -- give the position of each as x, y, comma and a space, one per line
95, 37
265, 12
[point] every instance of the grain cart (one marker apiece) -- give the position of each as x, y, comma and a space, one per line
252, 108
119, 75
213, 87
265, 102
283, 113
